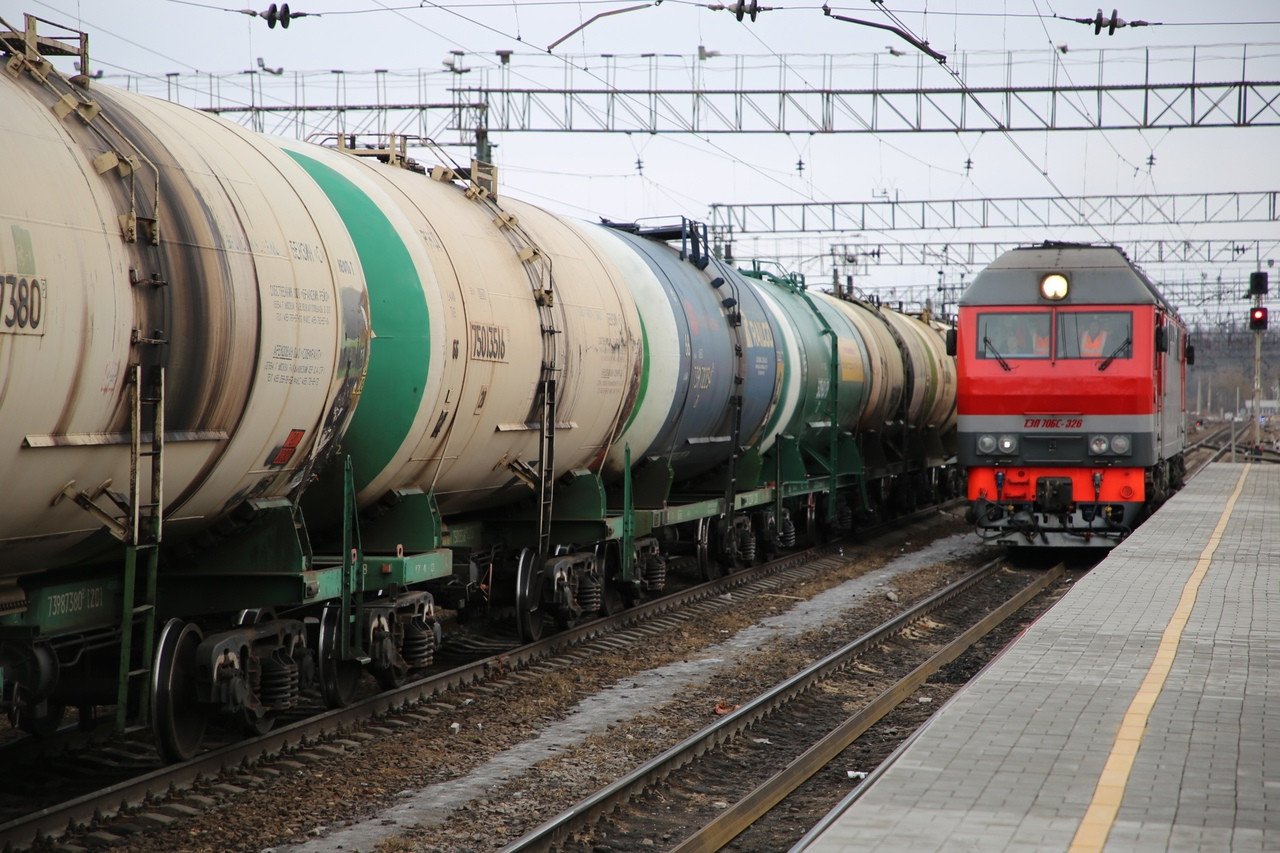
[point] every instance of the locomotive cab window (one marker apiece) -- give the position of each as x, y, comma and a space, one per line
1014, 335
1095, 334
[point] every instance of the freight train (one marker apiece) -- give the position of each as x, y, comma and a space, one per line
1072, 405
269, 408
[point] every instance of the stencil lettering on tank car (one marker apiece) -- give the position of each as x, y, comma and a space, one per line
23, 302
294, 365
305, 306
488, 342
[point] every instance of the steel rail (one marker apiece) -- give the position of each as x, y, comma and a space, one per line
54, 821
558, 828
741, 815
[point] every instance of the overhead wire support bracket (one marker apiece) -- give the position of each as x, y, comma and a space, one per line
919, 45
589, 21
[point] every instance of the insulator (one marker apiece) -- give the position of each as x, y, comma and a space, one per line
419, 643
278, 682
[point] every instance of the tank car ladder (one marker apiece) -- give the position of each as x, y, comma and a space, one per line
142, 541
481, 188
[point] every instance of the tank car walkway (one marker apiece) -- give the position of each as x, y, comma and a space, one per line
1141, 713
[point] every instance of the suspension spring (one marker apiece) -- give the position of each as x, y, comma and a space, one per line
278, 682
746, 544
590, 594
655, 572
419, 643
844, 516
787, 531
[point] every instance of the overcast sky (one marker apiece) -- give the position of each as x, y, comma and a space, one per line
632, 176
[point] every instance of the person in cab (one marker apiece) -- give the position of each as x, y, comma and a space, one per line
1093, 340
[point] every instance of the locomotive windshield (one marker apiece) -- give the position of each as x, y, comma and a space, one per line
1095, 334
1104, 335
1014, 335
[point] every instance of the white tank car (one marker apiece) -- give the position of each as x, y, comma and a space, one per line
461, 288
234, 275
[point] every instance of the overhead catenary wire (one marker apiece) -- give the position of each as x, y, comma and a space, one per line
1001, 127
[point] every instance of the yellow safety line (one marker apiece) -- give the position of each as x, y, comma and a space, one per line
1101, 815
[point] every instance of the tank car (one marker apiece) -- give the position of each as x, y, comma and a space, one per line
273, 406
1072, 399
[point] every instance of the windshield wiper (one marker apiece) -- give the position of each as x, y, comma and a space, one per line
1107, 361
987, 345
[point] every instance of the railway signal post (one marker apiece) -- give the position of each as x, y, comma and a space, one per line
1257, 324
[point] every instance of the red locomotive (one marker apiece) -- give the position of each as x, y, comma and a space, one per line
1072, 396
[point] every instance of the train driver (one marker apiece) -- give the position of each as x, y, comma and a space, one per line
1015, 338
1093, 340
1039, 325
1041, 343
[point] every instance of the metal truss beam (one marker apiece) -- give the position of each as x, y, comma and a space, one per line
929, 110
1197, 87
953, 214
975, 255
1122, 107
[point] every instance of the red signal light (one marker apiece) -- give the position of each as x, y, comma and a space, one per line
1257, 318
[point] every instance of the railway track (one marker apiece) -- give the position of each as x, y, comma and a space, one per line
132, 780
134, 776
717, 763
652, 805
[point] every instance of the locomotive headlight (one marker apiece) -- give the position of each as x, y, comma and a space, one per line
1098, 445
1120, 444
1008, 444
1054, 286
986, 444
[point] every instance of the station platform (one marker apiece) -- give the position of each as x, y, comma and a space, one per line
1141, 712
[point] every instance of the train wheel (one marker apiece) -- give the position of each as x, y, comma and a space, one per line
529, 596
338, 677
708, 569
176, 712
